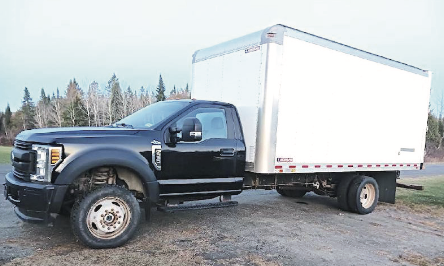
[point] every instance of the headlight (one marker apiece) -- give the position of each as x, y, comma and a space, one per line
46, 158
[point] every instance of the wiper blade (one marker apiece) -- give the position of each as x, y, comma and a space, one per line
123, 125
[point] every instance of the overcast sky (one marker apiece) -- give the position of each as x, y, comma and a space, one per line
44, 44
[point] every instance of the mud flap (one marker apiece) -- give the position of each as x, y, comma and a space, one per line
387, 186
146, 204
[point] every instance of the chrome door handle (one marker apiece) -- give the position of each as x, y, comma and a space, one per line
227, 152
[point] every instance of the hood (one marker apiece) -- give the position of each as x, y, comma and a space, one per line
54, 135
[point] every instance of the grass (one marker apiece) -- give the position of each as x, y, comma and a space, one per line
432, 195
5, 154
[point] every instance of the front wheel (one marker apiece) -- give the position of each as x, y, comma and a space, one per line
106, 217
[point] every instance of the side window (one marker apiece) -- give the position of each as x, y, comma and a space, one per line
213, 120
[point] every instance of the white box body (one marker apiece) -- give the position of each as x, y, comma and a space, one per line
308, 104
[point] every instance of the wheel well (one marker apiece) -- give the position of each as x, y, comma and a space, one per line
106, 175
131, 178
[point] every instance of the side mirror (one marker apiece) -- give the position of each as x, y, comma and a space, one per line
191, 130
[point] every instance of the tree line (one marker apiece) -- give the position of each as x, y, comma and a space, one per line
92, 107
435, 136
100, 107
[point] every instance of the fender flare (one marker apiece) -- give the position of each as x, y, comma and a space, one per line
88, 159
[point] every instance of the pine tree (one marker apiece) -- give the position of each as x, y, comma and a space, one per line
28, 111
441, 132
173, 92
43, 110
7, 117
45, 99
128, 101
187, 92
441, 127
74, 113
432, 136
116, 100
160, 91
2, 116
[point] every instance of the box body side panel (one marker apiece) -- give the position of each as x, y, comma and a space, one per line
341, 109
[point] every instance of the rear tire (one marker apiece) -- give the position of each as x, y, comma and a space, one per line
363, 194
106, 217
342, 192
291, 193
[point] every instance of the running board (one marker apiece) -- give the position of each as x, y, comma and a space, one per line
204, 206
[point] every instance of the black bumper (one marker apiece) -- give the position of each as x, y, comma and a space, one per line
34, 202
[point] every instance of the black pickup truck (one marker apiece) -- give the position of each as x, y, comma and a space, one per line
172, 151
165, 154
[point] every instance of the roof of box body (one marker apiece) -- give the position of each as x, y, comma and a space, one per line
276, 33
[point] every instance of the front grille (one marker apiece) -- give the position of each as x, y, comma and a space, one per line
22, 175
22, 144
24, 160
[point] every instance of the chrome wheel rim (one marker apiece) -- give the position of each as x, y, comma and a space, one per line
368, 195
108, 217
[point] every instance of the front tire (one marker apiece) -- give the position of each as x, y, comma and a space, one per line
106, 217
363, 194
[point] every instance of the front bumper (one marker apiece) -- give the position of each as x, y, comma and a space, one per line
34, 202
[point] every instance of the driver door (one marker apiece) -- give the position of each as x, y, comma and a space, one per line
212, 157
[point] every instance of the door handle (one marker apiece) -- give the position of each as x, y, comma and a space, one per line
227, 152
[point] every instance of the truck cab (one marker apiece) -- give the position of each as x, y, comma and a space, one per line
168, 152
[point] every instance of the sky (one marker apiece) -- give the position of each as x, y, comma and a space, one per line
44, 44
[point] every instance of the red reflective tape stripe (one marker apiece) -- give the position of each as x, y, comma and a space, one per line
329, 166
401, 165
386, 165
317, 166
393, 164
305, 166
369, 165
350, 165
340, 166
278, 167
408, 165
292, 166
359, 165
378, 165
415, 164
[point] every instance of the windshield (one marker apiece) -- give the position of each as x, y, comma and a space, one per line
152, 115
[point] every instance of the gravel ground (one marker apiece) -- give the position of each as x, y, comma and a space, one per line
264, 229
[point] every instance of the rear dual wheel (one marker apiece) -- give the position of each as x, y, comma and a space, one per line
358, 194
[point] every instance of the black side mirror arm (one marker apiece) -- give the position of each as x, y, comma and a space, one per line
173, 139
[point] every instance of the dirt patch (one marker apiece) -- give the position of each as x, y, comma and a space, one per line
420, 260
